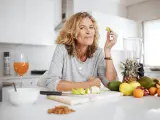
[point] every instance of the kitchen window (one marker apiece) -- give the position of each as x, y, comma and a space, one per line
151, 33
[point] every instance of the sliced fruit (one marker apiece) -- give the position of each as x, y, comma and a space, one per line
78, 91
87, 91
81, 91
75, 92
95, 90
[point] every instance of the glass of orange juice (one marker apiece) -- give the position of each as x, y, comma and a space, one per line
21, 65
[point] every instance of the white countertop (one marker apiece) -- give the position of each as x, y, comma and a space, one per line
121, 108
18, 77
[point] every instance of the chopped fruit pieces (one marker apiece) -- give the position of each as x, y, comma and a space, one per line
81, 91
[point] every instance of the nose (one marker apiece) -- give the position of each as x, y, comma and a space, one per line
88, 31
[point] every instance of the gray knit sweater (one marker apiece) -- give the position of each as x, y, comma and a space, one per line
66, 67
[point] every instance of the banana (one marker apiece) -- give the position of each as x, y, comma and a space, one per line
158, 85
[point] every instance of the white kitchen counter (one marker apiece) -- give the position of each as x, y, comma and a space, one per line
18, 77
121, 108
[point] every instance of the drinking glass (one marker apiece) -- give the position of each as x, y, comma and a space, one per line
21, 65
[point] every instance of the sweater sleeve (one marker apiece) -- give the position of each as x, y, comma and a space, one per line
55, 70
102, 68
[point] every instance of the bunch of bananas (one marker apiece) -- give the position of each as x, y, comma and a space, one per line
157, 81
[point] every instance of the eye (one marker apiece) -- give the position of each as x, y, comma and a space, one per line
91, 27
81, 27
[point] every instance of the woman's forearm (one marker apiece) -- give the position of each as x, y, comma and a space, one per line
111, 73
65, 85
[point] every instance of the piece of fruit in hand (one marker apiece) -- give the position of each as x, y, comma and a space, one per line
108, 29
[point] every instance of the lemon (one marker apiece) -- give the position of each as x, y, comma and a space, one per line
126, 89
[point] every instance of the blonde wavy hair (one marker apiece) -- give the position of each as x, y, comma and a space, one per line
68, 34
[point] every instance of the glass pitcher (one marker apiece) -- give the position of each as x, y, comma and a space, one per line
132, 48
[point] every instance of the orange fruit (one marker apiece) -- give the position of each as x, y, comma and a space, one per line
152, 90
158, 92
138, 93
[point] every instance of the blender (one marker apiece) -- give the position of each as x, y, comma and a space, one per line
132, 48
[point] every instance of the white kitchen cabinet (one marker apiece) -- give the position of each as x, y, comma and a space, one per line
39, 18
27, 22
11, 21
122, 26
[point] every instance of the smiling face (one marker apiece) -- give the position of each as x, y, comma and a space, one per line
86, 32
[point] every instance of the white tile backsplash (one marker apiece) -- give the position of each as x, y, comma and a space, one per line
39, 57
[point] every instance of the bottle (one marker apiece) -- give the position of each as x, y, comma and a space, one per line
6, 64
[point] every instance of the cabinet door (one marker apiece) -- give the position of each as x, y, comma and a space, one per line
27, 21
11, 21
39, 22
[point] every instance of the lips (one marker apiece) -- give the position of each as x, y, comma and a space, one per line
88, 37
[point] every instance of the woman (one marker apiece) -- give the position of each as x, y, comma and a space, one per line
78, 62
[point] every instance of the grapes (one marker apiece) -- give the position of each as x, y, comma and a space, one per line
146, 91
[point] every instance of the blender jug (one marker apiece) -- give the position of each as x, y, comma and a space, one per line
132, 48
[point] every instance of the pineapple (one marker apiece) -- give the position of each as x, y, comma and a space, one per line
130, 70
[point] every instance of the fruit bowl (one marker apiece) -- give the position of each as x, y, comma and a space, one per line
23, 96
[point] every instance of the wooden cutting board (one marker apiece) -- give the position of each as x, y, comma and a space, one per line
79, 99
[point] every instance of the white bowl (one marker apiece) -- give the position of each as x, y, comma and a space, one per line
23, 96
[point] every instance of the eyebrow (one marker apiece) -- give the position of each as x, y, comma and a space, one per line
84, 25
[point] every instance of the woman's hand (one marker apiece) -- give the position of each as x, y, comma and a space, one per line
110, 42
93, 81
